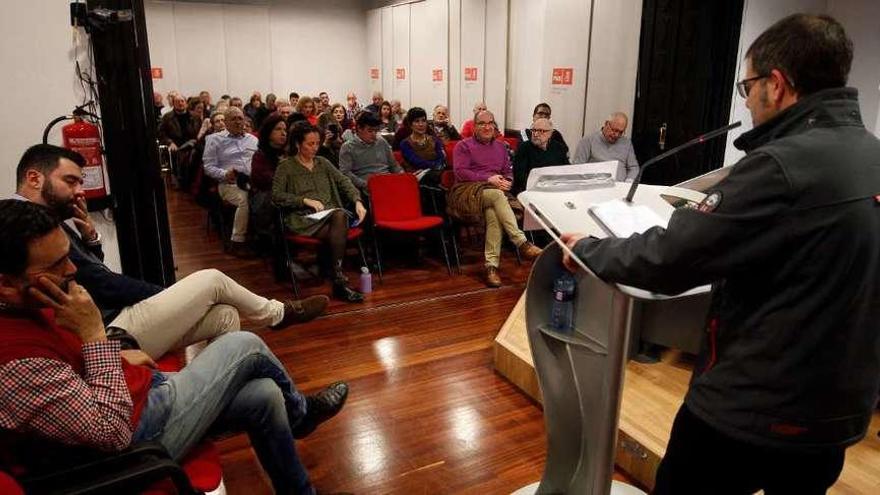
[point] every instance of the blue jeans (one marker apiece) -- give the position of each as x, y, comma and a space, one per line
235, 384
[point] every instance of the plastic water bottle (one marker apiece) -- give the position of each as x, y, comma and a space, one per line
562, 313
366, 280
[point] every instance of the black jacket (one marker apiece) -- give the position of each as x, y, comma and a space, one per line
791, 241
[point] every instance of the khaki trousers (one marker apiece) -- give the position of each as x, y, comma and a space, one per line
238, 197
202, 306
499, 216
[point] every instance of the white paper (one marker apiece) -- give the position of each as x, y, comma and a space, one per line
624, 219
529, 222
318, 215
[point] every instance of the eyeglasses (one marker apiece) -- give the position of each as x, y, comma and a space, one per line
744, 87
541, 131
485, 124
612, 130
542, 114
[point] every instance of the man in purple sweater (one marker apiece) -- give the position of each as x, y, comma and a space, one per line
482, 158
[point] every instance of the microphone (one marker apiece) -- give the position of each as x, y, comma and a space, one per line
696, 140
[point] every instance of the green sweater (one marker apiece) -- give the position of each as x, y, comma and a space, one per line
294, 183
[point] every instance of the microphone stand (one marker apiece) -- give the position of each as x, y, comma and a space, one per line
696, 140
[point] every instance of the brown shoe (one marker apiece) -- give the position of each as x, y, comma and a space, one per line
529, 251
302, 311
493, 278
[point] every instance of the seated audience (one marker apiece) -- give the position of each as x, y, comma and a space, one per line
366, 154
543, 111
335, 115
158, 106
144, 316
389, 122
306, 107
331, 144
284, 109
352, 106
178, 126
253, 106
221, 107
482, 165
196, 109
272, 141
305, 184
322, 104
65, 382
293, 98
397, 110
227, 160
539, 151
376, 105
467, 128
235, 102
607, 144
422, 152
265, 110
442, 127
170, 99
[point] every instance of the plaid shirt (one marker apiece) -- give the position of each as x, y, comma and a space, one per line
46, 396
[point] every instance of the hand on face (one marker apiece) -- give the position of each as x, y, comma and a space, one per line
74, 308
83, 221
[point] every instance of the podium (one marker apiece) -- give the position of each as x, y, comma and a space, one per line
581, 373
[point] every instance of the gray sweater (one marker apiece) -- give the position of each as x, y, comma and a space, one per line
359, 160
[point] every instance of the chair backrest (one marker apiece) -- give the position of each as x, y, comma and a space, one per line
447, 179
449, 148
398, 157
394, 197
513, 142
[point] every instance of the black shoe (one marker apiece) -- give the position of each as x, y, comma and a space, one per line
345, 293
321, 407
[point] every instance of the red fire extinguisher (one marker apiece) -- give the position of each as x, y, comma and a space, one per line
85, 138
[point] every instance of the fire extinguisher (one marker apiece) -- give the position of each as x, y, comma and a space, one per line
84, 137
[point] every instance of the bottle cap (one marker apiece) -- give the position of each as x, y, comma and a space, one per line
365, 269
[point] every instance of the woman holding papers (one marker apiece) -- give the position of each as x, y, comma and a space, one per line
313, 195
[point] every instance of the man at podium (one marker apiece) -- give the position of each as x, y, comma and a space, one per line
790, 364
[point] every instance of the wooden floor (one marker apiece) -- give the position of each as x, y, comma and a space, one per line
426, 413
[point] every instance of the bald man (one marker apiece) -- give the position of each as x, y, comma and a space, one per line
227, 157
607, 144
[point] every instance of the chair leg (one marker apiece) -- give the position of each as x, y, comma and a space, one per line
289, 261
378, 255
361, 252
455, 248
445, 252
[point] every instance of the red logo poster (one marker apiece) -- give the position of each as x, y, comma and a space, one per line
563, 76
470, 73
156, 72
400, 73
374, 73
437, 75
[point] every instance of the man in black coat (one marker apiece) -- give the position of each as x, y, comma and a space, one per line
790, 367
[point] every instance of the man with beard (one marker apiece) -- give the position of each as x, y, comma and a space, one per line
201, 306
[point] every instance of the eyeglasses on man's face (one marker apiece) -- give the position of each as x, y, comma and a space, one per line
541, 131
744, 87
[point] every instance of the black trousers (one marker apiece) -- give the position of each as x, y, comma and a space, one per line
702, 460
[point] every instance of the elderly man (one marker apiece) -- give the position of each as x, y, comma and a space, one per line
283, 109
227, 159
65, 382
376, 104
201, 306
206, 99
539, 151
352, 107
441, 126
366, 154
790, 241
484, 160
543, 111
607, 144
170, 99
178, 127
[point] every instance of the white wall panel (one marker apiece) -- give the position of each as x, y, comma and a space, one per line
614, 63
524, 61
201, 47
455, 69
374, 49
163, 44
495, 61
400, 37
248, 49
387, 53
472, 54
429, 51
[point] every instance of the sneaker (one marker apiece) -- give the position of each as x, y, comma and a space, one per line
302, 311
493, 277
321, 407
529, 251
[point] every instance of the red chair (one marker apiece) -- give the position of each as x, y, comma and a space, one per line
396, 205
512, 142
354, 234
448, 149
398, 157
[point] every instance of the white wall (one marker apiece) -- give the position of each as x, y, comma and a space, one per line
282, 46
860, 19
526, 50
38, 55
